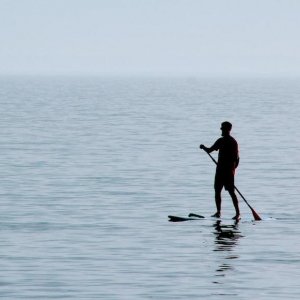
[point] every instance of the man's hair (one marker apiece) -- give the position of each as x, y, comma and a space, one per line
226, 125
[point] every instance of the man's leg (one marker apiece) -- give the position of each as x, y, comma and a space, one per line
235, 202
218, 189
218, 201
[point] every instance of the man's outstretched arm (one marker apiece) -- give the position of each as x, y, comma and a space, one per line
208, 150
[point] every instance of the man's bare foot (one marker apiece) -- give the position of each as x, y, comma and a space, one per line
236, 217
216, 215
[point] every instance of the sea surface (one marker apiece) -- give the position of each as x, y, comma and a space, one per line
92, 167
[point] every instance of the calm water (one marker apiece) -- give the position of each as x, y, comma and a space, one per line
91, 168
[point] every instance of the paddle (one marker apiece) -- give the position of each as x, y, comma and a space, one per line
254, 213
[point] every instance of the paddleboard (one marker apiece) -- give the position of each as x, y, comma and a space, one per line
194, 217
191, 217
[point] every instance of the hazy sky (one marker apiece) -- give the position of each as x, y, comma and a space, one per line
190, 37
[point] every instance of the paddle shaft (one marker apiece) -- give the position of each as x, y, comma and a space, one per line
256, 216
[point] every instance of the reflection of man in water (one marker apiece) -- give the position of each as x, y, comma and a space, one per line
227, 237
227, 163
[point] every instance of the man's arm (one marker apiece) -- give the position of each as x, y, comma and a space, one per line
237, 157
214, 147
237, 161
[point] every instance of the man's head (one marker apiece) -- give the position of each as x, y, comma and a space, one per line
226, 128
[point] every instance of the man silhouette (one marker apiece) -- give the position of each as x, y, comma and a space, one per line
228, 161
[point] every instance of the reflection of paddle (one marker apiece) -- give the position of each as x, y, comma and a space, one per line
254, 213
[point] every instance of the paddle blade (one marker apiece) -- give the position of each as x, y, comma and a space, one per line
255, 215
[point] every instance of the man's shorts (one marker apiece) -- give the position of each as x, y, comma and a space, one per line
224, 178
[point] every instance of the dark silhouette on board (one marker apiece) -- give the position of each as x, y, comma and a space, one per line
228, 161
